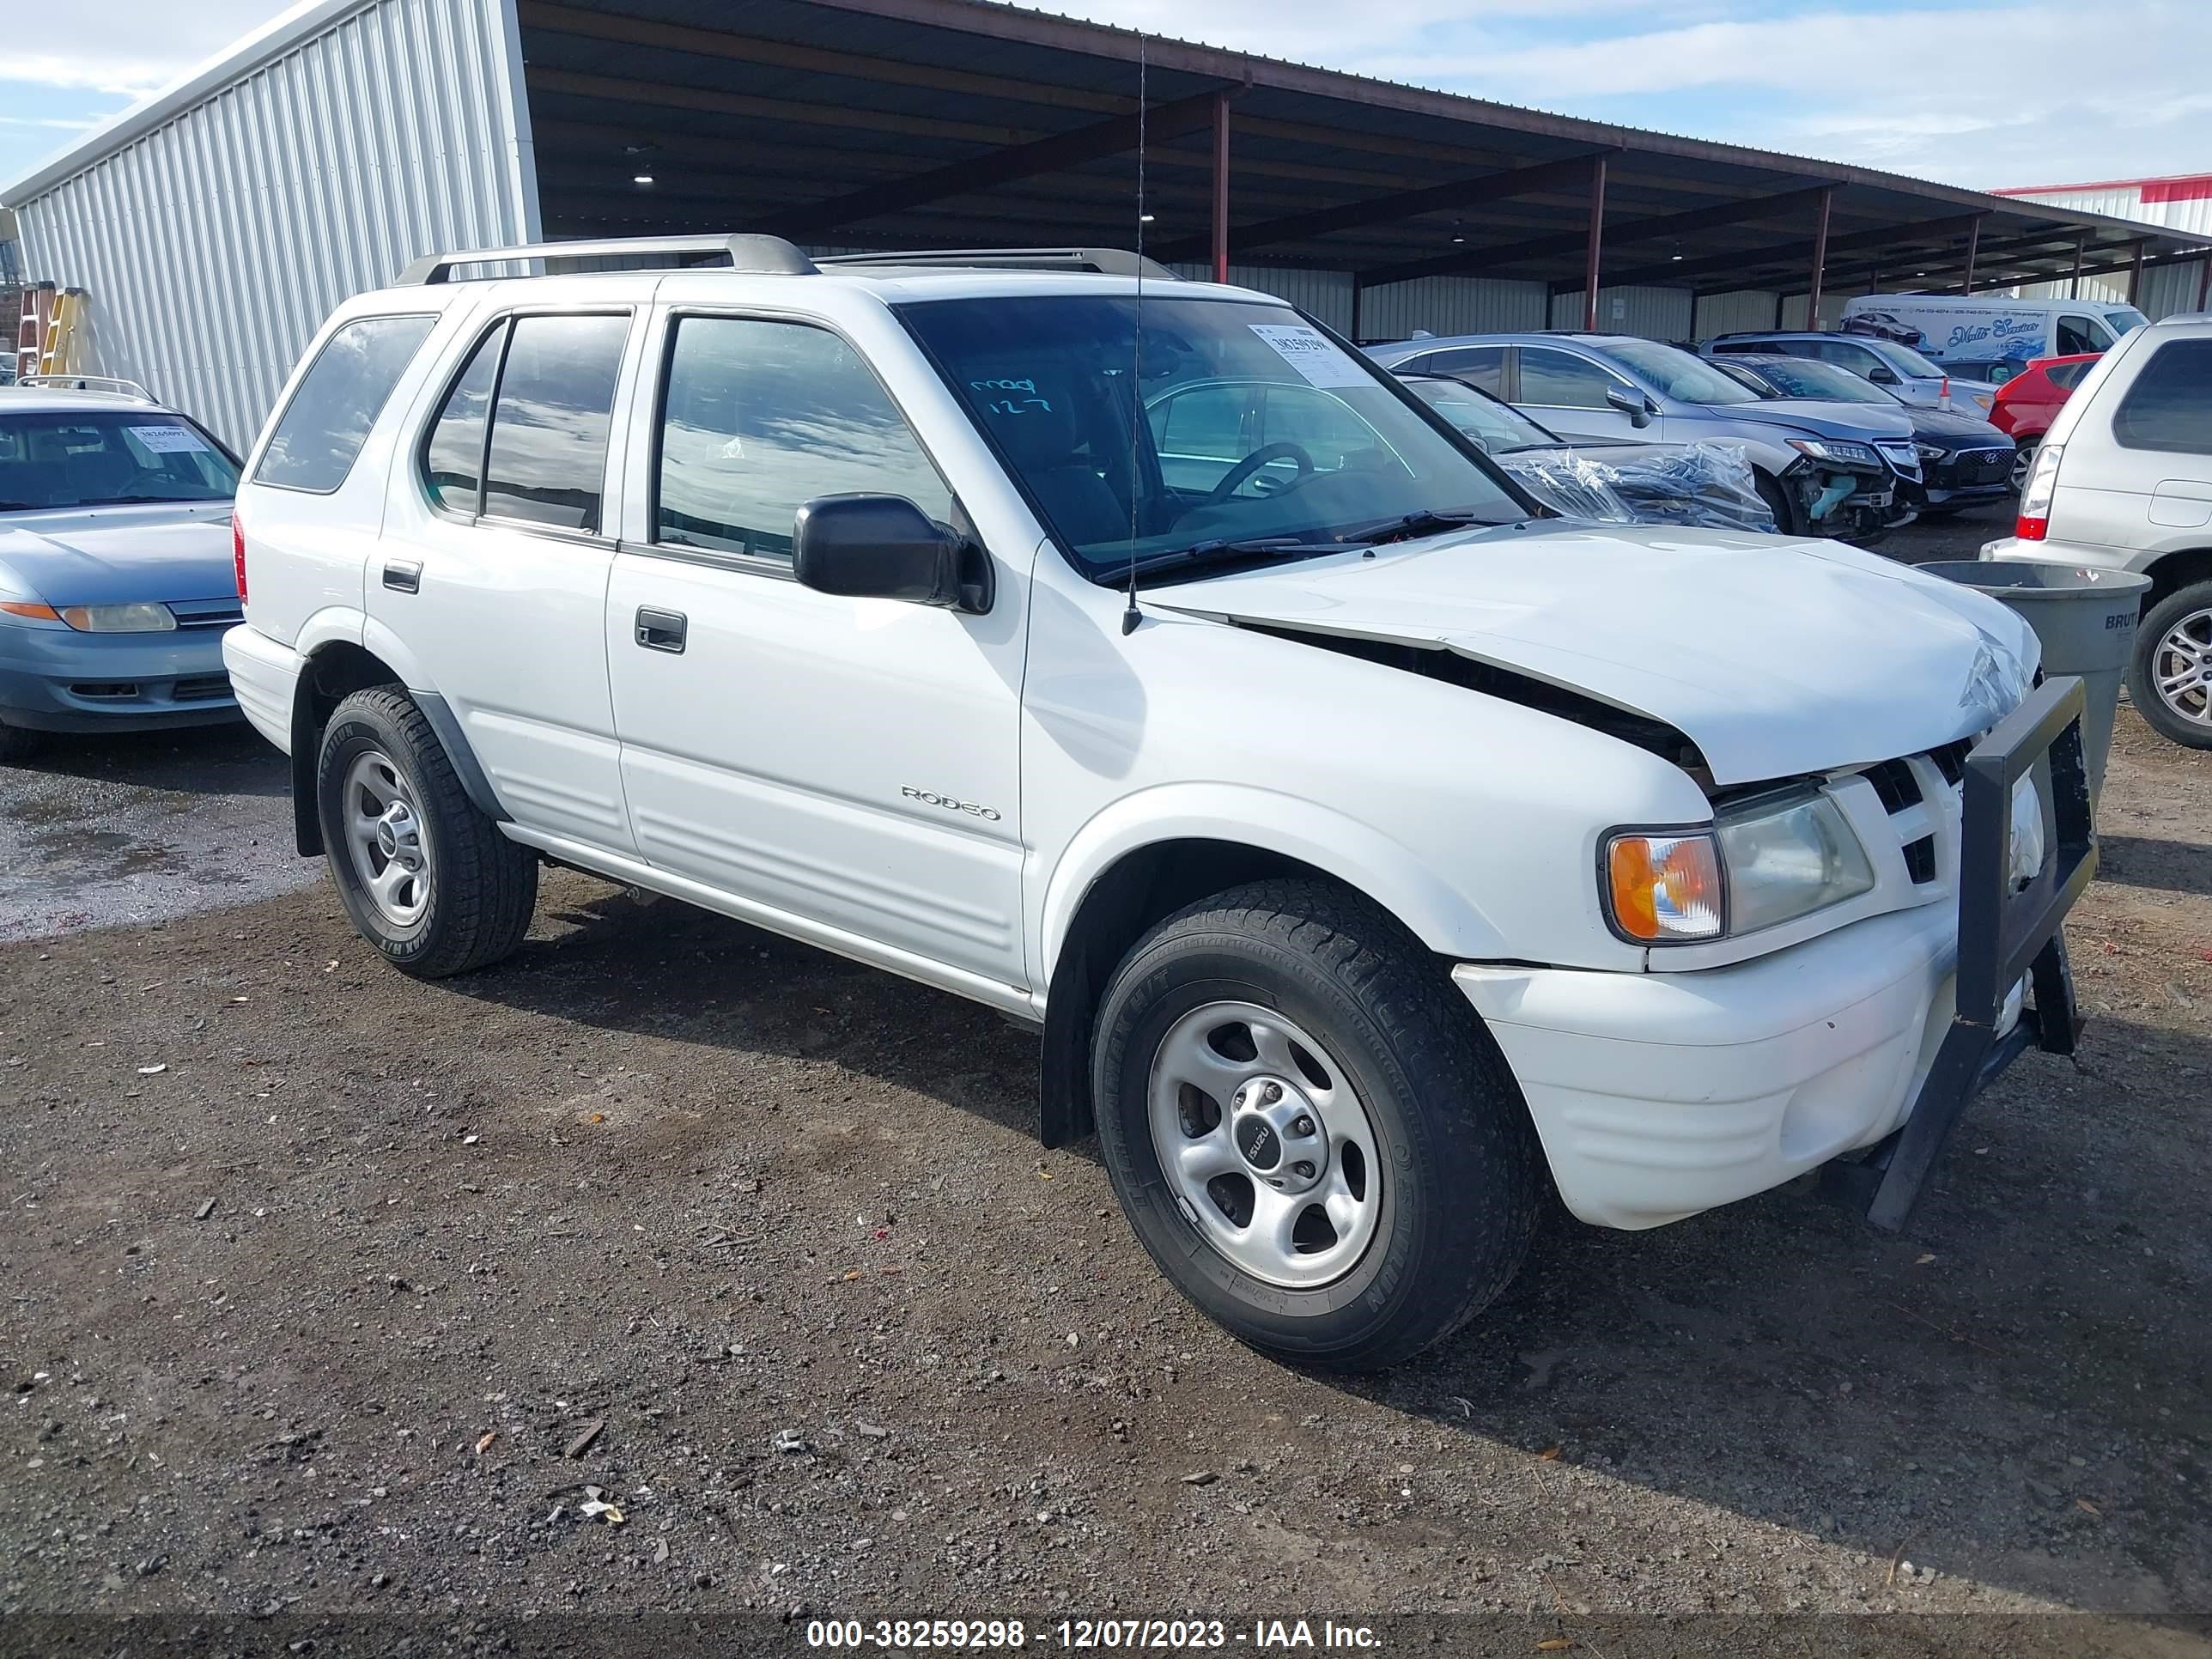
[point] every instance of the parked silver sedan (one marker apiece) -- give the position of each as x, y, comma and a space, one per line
116, 574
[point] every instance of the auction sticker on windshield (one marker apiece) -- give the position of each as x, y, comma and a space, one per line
1312, 353
170, 439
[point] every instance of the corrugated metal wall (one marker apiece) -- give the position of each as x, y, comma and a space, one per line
1657, 313
2192, 212
214, 246
2166, 289
1451, 305
1323, 294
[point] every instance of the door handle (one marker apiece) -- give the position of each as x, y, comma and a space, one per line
404, 576
660, 630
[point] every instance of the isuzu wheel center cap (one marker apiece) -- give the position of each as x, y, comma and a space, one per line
1279, 1134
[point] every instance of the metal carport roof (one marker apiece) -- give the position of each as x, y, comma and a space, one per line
903, 121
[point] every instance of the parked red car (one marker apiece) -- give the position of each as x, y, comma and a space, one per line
2028, 403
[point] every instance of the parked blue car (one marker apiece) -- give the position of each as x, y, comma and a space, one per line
116, 575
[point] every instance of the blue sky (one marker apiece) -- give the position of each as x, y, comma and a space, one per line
1965, 91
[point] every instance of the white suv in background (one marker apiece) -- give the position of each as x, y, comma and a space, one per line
2123, 480
1372, 848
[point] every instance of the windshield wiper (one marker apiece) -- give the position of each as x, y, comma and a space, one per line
1227, 550
1407, 525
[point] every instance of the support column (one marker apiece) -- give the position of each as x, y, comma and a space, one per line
2135, 277
1973, 250
1819, 260
1220, 187
2204, 283
1596, 246
2073, 283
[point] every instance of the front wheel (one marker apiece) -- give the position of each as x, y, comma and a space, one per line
1778, 503
426, 877
1309, 1129
2023, 463
2170, 676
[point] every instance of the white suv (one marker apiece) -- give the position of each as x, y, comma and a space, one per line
2123, 481
1372, 848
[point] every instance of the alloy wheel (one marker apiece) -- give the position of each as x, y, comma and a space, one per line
1264, 1140
384, 838
2181, 667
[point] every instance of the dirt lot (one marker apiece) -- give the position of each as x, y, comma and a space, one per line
316, 1275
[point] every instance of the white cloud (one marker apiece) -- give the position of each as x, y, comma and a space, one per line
129, 47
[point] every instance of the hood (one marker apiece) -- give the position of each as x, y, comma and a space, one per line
1814, 417
1774, 657
118, 555
1956, 429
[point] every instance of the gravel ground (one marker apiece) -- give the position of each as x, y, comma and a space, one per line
321, 1278
96, 831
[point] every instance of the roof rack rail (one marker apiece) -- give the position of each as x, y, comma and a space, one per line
111, 384
761, 255
1106, 261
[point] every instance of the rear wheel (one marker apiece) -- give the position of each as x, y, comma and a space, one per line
2170, 677
2023, 463
425, 876
1308, 1127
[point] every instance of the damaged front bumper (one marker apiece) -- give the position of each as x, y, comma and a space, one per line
1659, 1095
1848, 501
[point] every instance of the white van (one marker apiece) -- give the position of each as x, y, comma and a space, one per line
1988, 337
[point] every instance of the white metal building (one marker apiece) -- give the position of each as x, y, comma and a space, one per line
216, 225
2179, 202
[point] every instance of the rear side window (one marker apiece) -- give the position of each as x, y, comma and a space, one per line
760, 417
324, 427
454, 460
523, 433
2067, 376
1478, 366
2170, 405
548, 459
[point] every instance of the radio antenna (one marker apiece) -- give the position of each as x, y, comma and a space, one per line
1130, 614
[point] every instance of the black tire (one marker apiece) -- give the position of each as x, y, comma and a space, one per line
18, 743
482, 886
2150, 702
1778, 503
1462, 1174
2023, 463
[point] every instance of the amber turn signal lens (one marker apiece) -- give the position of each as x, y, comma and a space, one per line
25, 608
1664, 887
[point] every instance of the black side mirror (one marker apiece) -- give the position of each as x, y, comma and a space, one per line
884, 547
1881, 376
1634, 404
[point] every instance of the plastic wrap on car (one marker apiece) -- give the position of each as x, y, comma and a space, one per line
1706, 486
1565, 482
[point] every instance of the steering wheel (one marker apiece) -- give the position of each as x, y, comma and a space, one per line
1235, 478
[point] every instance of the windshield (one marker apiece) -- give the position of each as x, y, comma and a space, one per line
1800, 377
1905, 361
1677, 373
1494, 425
1256, 425
96, 458
2121, 318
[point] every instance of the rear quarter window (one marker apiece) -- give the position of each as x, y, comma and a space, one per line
2169, 407
320, 433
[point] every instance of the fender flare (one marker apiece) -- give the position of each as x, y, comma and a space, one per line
1362, 857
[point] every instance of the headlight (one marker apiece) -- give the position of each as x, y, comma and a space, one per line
1787, 860
119, 618
1840, 451
1770, 863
